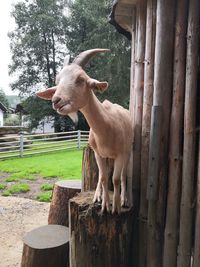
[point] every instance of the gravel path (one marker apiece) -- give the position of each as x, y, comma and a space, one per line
17, 217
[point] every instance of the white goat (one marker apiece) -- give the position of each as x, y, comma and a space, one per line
110, 124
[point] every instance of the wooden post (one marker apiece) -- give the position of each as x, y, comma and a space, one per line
62, 192
98, 239
90, 170
162, 97
146, 123
186, 213
197, 221
137, 113
176, 140
46, 246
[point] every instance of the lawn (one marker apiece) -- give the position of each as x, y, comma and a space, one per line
41, 172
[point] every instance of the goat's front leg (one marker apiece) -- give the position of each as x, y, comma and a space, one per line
118, 165
102, 184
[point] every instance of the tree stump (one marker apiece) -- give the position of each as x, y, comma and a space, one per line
90, 170
98, 239
46, 246
62, 192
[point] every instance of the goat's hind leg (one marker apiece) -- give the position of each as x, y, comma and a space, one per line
124, 196
118, 166
102, 184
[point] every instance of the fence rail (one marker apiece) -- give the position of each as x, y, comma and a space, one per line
29, 144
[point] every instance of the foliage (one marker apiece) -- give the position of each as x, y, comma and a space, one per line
12, 120
63, 165
46, 187
87, 27
3, 99
19, 188
45, 196
2, 186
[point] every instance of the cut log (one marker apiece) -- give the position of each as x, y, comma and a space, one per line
62, 192
98, 239
46, 246
176, 138
188, 176
90, 170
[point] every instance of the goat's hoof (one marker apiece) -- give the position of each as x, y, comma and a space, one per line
124, 203
116, 209
97, 198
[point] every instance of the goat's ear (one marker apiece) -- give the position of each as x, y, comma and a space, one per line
47, 94
100, 86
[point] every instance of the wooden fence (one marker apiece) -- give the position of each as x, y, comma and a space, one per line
29, 144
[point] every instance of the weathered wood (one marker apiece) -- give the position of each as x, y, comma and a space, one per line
176, 138
63, 190
46, 246
186, 212
98, 240
137, 115
90, 170
197, 220
163, 74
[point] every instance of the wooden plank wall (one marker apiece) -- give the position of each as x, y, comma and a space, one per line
164, 105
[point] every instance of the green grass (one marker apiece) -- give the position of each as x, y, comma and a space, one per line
6, 193
2, 186
45, 196
19, 188
46, 187
20, 175
63, 165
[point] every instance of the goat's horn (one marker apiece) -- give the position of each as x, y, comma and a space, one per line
83, 58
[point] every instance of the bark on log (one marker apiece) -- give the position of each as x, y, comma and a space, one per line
62, 192
137, 113
186, 213
146, 123
90, 171
162, 97
98, 239
197, 221
176, 138
46, 246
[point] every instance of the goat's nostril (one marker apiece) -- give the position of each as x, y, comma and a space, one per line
55, 100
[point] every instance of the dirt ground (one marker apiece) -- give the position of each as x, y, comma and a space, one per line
17, 217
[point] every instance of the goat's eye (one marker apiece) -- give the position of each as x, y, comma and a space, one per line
80, 80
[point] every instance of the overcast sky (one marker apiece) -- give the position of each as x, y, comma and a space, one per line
6, 24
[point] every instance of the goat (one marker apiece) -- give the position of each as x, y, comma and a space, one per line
110, 124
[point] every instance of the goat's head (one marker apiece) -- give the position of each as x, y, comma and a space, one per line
73, 85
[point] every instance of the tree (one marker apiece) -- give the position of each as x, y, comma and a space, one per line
3, 98
87, 27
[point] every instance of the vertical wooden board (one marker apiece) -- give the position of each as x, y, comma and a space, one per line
197, 220
154, 153
176, 140
186, 211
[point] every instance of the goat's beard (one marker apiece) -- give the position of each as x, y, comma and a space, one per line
74, 117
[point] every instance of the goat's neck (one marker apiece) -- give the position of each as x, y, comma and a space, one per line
95, 114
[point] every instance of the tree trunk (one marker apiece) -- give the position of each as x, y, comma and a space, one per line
137, 113
62, 192
46, 246
90, 172
197, 221
162, 97
186, 212
176, 138
146, 123
98, 239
